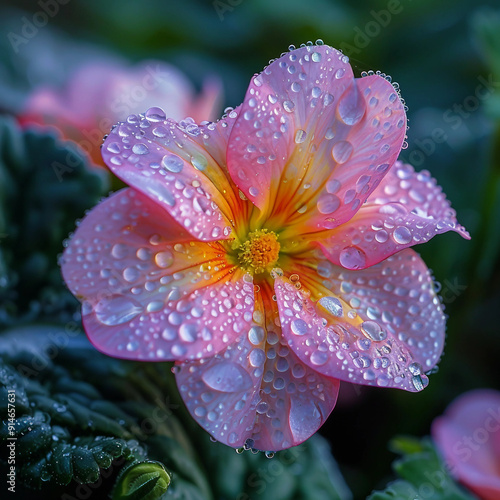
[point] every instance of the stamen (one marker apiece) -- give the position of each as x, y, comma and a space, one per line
260, 252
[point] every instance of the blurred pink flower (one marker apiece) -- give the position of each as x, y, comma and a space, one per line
100, 94
266, 253
468, 436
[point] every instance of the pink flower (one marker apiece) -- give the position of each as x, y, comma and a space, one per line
100, 94
266, 253
468, 436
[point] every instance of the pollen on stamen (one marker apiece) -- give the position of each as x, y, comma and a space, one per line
260, 252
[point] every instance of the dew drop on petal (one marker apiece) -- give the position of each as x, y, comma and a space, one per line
381, 236
116, 309
226, 376
256, 335
300, 136
342, 151
319, 358
299, 327
131, 274
316, 57
373, 330
119, 251
172, 163
288, 105
155, 114
140, 149
402, 235
352, 258
327, 99
164, 259
333, 185
332, 305
188, 332
257, 357
199, 162
351, 107
329, 134
304, 419
328, 203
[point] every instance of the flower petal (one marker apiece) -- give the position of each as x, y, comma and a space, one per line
311, 142
382, 326
468, 436
407, 208
257, 393
149, 292
172, 163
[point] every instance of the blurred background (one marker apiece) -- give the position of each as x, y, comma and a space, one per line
444, 54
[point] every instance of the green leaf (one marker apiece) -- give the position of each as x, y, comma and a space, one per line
423, 474
45, 185
145, 480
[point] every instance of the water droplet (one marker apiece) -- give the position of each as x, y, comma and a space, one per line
257, 357
418, 382
140, 149
199, 162
319, 358
299, 327
373, 330
155, 114
116, 309
329, 134
327, 99
382, 236
131, 274
164, 259
288, 106
333, 185
188, 332
256, 335
315, 92
328, 203
332, 305
351, 107
304, 418
352, 258
226, 376
114, 148
342, 151
119, 251
172, 163
300, 136
402, 235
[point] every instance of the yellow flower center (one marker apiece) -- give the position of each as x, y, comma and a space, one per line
260, 252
